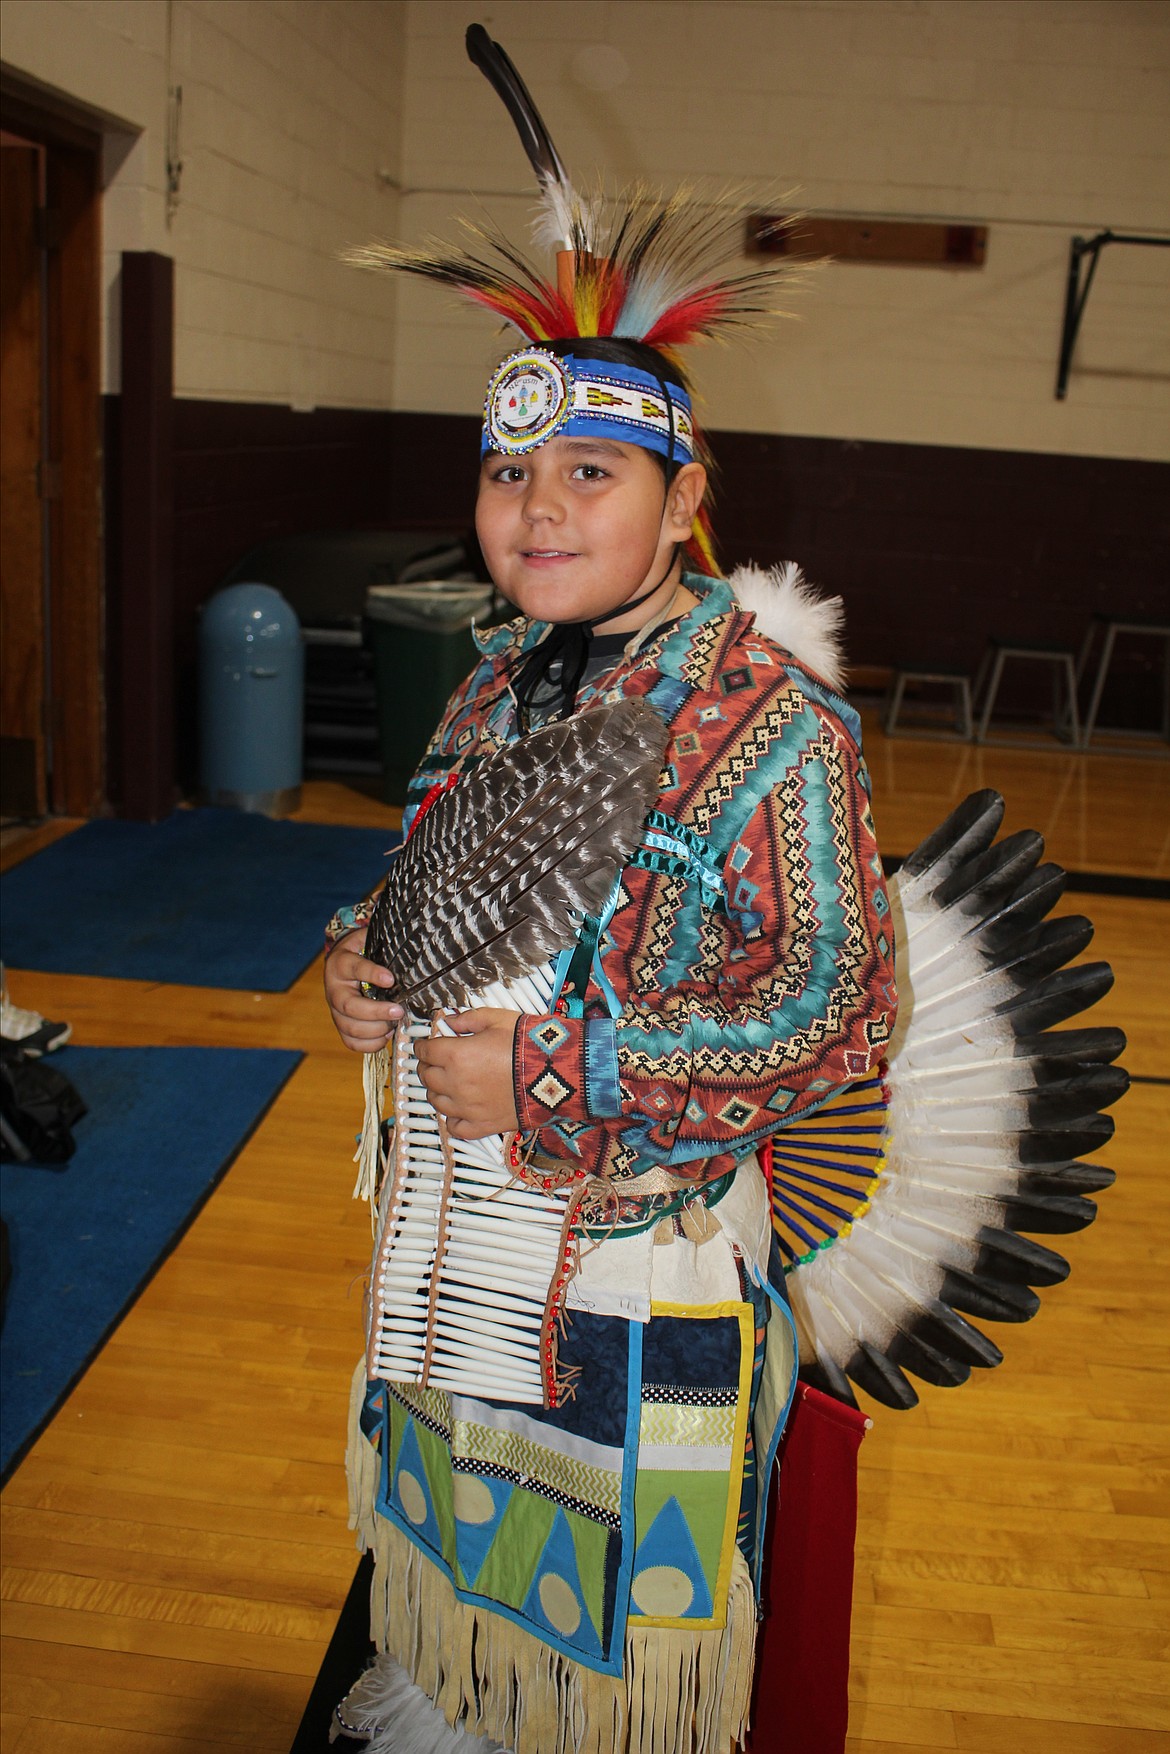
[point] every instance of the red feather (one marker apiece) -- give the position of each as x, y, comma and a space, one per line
690, 317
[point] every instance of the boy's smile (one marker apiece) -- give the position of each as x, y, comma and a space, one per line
579, 526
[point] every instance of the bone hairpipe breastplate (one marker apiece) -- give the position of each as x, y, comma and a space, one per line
466, 1255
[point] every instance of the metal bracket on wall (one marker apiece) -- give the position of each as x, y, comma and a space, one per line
1076, 294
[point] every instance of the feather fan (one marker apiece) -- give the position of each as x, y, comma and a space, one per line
386, 1705
497, 875
899, 1205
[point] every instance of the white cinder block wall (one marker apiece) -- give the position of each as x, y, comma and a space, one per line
1039, 118
289, 140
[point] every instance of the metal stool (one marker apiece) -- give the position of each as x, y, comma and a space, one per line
956, 680
1065, 721
1111, 628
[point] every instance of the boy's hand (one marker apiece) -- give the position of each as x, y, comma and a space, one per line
363, 1024
469, 1075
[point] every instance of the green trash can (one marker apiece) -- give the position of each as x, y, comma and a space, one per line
420, 635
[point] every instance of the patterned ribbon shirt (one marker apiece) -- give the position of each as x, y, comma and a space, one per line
743, 971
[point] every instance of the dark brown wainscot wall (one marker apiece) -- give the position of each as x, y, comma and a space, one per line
932, 547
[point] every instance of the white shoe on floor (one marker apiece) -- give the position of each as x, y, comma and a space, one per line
29, 1030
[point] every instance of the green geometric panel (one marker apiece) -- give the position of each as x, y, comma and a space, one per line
479, 1508
665, 1422
591, 1541
507, 1572
398, 1423
411, 1494
556, 1599
524, 1454
436, 1458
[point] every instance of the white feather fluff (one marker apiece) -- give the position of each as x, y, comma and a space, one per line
400, 1719
790, 611
563, 215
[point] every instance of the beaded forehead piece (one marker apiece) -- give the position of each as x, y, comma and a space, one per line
637, 267
535, 395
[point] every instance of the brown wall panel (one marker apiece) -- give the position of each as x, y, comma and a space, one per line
933, 548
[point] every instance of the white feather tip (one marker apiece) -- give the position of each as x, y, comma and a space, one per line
561, 213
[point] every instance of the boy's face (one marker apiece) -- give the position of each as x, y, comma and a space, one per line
581, 525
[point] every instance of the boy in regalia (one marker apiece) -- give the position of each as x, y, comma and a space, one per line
703, 1084
585, 1576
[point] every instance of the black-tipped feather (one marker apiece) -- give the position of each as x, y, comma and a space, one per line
1025, 963
951, 1337
824, 1373
876, 1373
1061, 1145
910, 1350
967, 831
496, 66
1059, 996
1075, 1178
1032, 901
990, 1300
981, 882
1091, 1087
1048, 1214
1099, 1046
1016, 1260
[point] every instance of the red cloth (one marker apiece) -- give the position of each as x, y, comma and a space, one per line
801, 1703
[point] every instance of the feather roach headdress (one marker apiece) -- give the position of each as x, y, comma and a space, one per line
642, 267
638, 267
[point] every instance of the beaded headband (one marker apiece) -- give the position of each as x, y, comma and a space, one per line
535, 395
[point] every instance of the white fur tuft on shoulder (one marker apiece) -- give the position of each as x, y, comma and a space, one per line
788, 609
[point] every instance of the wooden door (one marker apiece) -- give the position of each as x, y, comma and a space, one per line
51, 672
22, 522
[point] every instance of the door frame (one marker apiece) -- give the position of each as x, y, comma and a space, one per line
76, 632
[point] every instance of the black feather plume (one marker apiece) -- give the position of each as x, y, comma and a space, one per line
556, 190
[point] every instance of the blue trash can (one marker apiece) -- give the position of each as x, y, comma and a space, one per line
251, 701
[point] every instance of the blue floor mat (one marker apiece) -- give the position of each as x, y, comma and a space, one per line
163, 1125
208, 898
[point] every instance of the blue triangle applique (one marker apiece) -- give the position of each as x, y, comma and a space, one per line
555, 1599
473, 1539
410, 1493
667, 1547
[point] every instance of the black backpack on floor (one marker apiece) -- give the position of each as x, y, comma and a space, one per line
38, 1110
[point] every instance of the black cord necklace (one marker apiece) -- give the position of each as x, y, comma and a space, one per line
567, 645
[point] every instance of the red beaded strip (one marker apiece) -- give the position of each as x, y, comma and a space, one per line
514, 1154
555, 1301
432, 798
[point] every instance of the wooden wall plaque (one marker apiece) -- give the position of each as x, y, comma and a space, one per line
896, 242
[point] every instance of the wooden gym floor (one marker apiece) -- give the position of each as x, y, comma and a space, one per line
175, 1549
